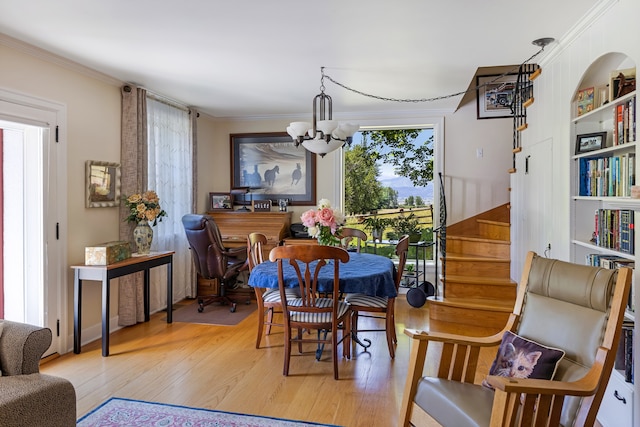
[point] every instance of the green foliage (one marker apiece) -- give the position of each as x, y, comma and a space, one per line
363, 192
419, 202
376, 223
409, 201
407, 224
411, 160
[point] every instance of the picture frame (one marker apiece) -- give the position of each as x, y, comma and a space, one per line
585, 101
102, 184
273, 168
220, 201
495, 94
590, 142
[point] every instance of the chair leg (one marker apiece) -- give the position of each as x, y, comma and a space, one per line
260, 324
334, 351
269, 320
390, 327
287, 350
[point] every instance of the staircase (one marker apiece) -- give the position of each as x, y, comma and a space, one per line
478, 292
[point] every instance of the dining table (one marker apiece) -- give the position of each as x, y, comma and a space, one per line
364, 273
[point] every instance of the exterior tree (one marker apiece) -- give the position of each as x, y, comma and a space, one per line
363, 191
419, 202
409, 201
411, 159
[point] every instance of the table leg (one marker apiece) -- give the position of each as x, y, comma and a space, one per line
170, 291
77, 312
145, 294
106, 283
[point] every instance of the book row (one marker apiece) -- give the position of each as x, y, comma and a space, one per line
614, 229
624, 123
624, 355
607, 176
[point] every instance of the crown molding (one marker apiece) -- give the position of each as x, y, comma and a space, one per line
52, 58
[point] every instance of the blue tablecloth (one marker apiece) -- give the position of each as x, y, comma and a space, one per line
364, 273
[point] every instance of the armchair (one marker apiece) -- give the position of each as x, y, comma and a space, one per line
211, 259
576, 308
27, 397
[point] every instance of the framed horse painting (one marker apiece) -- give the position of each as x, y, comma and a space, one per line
271, 167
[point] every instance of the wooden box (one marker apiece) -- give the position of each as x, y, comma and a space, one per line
107, 253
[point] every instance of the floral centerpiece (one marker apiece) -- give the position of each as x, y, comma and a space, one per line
144, 207
324, 223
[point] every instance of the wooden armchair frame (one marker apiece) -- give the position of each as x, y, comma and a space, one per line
529, 402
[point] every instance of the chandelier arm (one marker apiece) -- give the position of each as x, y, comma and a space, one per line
436, 98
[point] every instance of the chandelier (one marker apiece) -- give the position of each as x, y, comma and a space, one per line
323, 135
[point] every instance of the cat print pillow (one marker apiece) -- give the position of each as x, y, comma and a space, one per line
519, 357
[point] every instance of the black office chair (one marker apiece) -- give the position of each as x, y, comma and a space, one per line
211, 259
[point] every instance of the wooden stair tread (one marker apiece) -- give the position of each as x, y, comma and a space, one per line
493, 222
452, 256
475, 303
479, 238
492, 281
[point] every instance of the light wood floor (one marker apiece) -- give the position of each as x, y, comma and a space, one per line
218, 367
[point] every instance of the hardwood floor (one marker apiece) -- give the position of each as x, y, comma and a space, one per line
218, 367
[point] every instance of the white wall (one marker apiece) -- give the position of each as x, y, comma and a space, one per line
613, 28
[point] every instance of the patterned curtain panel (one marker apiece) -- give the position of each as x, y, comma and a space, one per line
133, 161
170, 174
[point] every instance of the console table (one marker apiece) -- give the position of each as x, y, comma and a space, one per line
104, 274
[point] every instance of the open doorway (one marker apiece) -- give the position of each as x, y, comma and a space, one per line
33, 254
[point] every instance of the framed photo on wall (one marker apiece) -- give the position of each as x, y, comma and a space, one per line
495, 95
273, 168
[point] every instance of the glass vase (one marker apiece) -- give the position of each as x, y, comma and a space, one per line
143, 236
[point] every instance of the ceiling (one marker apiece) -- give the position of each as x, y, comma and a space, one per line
253, 58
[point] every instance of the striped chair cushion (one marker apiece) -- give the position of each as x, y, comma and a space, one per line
363, 300
273, 295
317, 317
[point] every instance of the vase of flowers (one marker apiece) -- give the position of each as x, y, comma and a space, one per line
144, 208
324, 223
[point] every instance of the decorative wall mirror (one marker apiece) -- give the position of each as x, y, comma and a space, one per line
102, 184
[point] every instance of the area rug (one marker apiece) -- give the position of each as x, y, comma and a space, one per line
214, 314
133, 413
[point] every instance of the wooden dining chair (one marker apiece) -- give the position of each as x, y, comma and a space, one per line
361, 303
352, 238
311, 311
268, 299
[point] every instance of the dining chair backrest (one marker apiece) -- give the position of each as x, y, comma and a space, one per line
352, 235
255, 242
402, 249
307, 261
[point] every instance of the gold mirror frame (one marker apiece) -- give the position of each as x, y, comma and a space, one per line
102, 181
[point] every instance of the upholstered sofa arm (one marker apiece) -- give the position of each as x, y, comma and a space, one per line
22, 347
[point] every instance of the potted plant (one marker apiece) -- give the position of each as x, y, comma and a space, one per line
408, 224
376, 225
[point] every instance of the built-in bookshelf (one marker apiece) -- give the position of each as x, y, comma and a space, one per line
603, 211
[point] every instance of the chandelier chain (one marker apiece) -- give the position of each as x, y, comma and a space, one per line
436, 98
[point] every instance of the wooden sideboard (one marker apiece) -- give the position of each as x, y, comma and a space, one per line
235, 226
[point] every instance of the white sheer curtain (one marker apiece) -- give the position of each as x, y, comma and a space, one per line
170, 174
